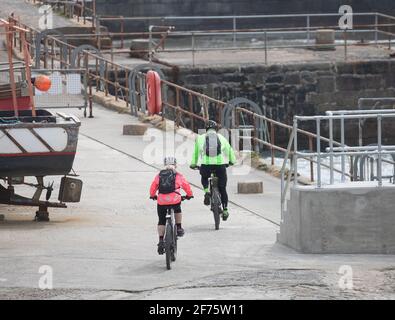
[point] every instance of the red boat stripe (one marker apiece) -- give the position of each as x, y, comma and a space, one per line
35, 154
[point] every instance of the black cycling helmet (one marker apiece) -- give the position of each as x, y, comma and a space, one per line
211, 125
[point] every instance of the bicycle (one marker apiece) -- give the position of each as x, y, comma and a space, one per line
215, 199
170, 238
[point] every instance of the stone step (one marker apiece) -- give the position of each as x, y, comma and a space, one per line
134, 129
250, 187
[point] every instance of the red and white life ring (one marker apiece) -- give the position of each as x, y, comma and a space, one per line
154, 93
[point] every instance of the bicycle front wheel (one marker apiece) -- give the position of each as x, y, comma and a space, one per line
168, 245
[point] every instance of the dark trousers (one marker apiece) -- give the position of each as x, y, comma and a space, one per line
162, 212
220, 172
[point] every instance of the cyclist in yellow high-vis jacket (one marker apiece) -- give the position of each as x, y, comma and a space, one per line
215, 153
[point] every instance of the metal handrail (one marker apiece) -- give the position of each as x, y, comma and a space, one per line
284, 188
286, 126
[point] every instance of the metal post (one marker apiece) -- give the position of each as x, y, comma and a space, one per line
345, 45
295, 129
272, 137
86, 76
311, 162
318, 152
331, 165
308, 29
342, 138
265, 47
360, 137
282, 192
150, 45
98, 33
122, 32
61, 55
116, 82
9, 38
94, 13
90, 99
83, 11
142, 95
376, 34
379, 144
45, 52
193, 49
234, 32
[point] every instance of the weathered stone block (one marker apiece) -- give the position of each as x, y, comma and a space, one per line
349, 82
325, 39
308, 77
250, 187
372, 67
373, 82
134, 129
345, 67
389, 80
326, 84
292, 78
275, 78
194, 79
140, 47
234, 77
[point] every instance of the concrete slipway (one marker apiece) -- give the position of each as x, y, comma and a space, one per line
105, 247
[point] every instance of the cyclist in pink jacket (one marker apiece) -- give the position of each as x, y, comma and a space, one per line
168, 184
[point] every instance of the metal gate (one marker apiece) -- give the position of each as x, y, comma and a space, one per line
68, 90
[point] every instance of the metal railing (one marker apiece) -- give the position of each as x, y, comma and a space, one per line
376, 27
236, 32
82, 10
187, 108
104, 75
371, 153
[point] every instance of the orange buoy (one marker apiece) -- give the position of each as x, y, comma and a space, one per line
42, 83
154, 93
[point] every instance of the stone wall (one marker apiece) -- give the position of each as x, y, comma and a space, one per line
150, 8
297, 89
160, 8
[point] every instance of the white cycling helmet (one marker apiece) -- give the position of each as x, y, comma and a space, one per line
170, 161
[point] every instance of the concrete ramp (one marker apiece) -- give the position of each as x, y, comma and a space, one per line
345, 218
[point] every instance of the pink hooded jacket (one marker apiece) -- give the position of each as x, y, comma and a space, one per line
174, 197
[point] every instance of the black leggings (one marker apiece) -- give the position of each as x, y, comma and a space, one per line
220, 172
162, 211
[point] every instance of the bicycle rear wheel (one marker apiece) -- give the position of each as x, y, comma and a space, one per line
168, 245
216, 210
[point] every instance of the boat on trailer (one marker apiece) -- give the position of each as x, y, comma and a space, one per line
34, 143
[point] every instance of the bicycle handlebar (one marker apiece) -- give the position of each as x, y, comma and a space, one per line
183, 198
198, 167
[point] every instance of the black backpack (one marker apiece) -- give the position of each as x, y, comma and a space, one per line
213, 144
167, 181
